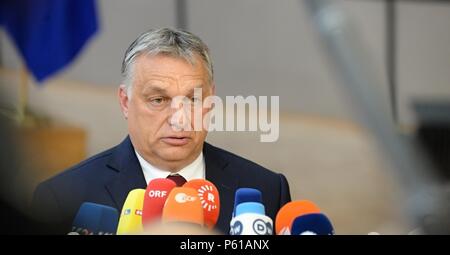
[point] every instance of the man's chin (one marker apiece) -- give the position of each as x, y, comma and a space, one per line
175, 153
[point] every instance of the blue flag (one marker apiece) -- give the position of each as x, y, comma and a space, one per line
48, 33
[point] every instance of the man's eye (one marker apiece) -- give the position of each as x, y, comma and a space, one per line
157, 101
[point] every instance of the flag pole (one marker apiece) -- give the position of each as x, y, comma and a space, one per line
23, 95
18, 113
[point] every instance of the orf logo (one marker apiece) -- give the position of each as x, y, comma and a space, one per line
157, 193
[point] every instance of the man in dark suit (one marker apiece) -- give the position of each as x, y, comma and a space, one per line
163, 70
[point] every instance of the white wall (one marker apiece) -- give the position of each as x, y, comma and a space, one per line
423, 53
258, 47
268, 47
264, 47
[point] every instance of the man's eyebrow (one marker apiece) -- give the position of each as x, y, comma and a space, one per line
155, 89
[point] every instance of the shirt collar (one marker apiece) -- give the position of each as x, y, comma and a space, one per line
195, 170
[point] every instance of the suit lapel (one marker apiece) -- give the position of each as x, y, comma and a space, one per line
129, 177
225, 183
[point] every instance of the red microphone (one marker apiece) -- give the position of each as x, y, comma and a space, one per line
209, 198
154, 199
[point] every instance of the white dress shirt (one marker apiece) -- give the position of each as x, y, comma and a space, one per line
195, 170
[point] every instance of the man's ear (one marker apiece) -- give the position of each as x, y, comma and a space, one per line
123, 99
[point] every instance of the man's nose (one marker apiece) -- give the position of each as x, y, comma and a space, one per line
179, 118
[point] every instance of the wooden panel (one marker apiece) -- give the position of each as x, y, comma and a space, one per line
46, 151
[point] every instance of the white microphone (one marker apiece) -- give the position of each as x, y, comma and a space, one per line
250, 219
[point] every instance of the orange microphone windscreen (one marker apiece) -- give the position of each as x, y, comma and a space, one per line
287, 214
209, 198
183, 205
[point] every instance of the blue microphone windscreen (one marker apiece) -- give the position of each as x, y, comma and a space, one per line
247, 195
250, 207
95, 219
312, 224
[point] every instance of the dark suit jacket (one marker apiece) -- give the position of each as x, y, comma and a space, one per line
106, 179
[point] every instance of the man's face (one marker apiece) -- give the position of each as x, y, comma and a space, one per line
159, 137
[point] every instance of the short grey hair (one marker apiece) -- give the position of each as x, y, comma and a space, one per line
172, 42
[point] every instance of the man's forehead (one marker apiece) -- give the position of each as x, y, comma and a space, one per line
161, 82
167, 63
155, 77
166, 69
167, 87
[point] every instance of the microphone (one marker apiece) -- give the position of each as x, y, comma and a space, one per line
209, 199
250, 207
250, 219
312, 224
243, 195
154, 199
183, 205
95, 219
289, 212
130, 221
